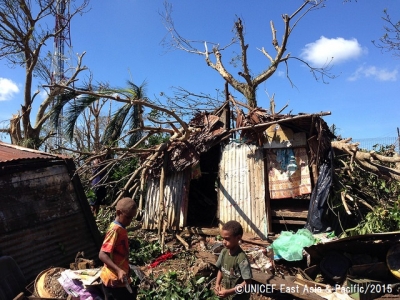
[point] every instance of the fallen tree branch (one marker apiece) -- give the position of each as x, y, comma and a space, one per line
367, 160
343, 196
184, 243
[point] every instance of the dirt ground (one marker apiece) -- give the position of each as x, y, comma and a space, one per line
193, 255
199, 260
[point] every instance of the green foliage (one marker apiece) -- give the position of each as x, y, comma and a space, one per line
72, 112
168, 286
104, 218
156, 114
90, 195
121, 173
380, 219
157, 139
369, 186
142, 251
366, 190
172, 284
123, 168
117, 124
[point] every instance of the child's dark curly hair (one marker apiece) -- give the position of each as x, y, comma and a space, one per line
233, 227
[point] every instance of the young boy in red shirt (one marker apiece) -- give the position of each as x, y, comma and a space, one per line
114, 253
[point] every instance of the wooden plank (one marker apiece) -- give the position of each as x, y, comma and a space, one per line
297, 222
204, 231
290, 214
251, 239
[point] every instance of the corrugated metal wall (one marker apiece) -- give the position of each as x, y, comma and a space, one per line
242, 188
43, 221
175, 200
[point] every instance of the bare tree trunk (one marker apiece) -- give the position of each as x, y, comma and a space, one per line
15, 129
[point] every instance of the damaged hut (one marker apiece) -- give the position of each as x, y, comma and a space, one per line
261, 173
45, 219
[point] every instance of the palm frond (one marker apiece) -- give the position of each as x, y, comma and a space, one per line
127, 115
60, 102
117, 123
134, 91
134, 123
74, 111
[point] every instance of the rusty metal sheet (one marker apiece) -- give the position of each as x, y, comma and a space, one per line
207, 131
175, 201
242, 188
181, 156
45, 218
53, 243
313, 124
10, 152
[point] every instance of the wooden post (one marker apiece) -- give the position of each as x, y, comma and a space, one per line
161, 207
398, 137
142, 181
268, 209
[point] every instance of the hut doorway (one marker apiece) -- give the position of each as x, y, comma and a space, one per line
203, 200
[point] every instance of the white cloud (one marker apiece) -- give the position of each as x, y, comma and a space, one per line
281, 74
7, 89
323, 50
372, 71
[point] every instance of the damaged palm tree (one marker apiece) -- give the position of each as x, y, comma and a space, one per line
126, 134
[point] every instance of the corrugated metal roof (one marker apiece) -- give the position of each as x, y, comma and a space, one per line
207, 131
242, 188
45, 219
10, 152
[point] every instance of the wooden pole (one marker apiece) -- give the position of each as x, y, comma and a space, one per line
142, 182
161, 206
398, 137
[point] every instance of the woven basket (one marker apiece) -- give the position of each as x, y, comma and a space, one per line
39, 287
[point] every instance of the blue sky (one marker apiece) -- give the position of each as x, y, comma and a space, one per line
122, 40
